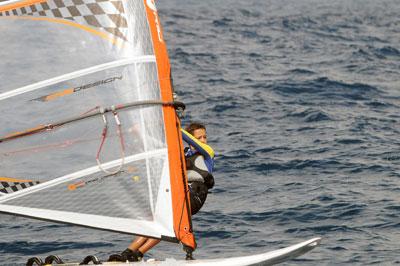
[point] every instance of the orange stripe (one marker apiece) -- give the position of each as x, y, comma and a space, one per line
58, 94
103, 35
20, 4
182, 219
15, 180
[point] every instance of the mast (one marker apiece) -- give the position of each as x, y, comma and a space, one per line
179, 187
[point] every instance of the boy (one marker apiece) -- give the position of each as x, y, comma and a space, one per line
200, 165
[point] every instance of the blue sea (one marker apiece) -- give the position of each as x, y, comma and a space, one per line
302, 105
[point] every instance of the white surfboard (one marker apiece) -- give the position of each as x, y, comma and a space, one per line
267, 258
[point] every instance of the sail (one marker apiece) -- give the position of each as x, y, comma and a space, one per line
89, 135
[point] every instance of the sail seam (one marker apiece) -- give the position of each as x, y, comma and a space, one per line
77, 74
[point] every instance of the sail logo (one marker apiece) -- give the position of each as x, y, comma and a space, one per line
152, 6
97, 83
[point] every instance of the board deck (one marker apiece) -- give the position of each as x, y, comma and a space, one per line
267, 258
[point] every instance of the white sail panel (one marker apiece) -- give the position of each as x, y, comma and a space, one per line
112, 223
64, 59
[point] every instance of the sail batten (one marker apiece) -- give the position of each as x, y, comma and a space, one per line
82, 173
76, 74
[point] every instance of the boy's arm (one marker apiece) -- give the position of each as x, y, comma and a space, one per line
204, 149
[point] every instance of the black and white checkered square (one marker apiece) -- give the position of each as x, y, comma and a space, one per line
10, 187
103, 14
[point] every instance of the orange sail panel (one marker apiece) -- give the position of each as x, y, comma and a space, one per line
180, 196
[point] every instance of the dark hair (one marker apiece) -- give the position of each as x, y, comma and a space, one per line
194, 126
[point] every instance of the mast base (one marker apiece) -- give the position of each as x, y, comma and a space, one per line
189, 252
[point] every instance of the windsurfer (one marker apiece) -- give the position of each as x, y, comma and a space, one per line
200, 165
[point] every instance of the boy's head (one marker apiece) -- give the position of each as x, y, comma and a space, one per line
198, 131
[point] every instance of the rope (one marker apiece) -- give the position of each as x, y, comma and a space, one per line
103, 139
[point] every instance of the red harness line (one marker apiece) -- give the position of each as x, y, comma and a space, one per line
103, 139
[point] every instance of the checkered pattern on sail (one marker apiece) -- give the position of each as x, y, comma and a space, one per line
105, 15
9, 187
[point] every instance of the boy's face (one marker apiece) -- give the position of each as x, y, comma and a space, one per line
201, 135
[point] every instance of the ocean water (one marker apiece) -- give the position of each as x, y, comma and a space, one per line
301, 100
